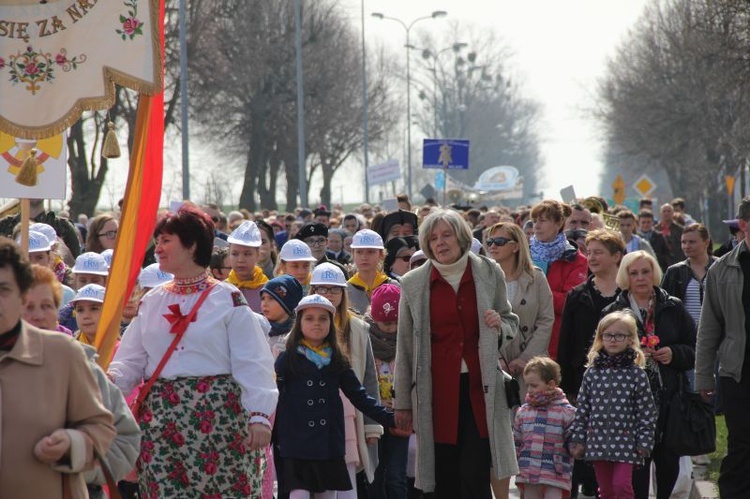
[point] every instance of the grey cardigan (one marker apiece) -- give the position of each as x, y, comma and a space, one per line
413, 380
721, 329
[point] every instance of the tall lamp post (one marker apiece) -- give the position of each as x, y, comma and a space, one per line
427, 54
436, 14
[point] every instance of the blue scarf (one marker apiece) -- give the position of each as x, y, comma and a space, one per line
543, 254
279, 328
320, 356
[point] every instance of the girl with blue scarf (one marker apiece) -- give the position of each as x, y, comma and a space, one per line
309, 430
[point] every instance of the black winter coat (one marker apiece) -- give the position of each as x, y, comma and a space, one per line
675, 329
310, 414
577, 330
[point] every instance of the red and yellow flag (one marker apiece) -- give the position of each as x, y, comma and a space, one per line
139, 210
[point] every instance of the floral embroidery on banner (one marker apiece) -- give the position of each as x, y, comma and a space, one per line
131, 26
34, 68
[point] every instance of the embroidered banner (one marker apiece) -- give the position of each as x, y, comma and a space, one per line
51, 158
60, 58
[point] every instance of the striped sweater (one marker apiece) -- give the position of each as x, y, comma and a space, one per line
541, 431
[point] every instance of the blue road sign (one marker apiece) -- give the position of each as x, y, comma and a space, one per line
451, 154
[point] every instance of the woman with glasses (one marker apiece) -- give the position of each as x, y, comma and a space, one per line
362, 433
398, 253
102, 233
667, 336
531, 300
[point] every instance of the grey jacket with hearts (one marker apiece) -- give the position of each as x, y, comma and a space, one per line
616, 414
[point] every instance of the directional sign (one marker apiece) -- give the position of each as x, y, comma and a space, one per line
448, 154
644, 185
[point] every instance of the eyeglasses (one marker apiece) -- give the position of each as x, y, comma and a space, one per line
110, 234
328, 290
405, 258
499, 241
618, 337
316, 241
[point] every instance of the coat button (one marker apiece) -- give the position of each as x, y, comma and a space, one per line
309, 382
525, 328
321, 401
322, 383
311, 423
523, 302
322, 422
310, 402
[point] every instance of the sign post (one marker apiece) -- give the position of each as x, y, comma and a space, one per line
446, 154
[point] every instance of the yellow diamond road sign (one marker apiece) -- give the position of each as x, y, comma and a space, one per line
644, 185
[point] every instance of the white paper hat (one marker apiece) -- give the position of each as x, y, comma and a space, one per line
367, 238
247, 234
90, 292
152, 276
90, 263
47, 230
417, 256
295, 250
38, 242
475, 246
107, 254
327, 274
310, 301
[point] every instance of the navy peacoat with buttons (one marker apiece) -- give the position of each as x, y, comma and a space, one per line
310, 415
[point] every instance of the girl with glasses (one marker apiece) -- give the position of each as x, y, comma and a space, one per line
102, 233
616, 415
530, 298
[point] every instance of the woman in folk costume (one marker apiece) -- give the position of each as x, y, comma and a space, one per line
244, 244
368, 252
206, 417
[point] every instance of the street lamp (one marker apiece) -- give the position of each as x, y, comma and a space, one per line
426, 54
436, 14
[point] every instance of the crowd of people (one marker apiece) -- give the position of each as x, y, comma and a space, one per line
371, 354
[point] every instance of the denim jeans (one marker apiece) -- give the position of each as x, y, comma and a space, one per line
390, 476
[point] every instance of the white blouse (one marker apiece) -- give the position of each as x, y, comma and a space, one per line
226, 338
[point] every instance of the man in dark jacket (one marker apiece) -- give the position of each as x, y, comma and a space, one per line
654, 238
315, 235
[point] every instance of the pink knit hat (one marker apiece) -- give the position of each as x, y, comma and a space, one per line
384, 306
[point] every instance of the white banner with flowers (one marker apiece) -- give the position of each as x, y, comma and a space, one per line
62, 57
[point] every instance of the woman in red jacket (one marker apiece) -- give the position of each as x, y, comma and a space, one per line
562, 262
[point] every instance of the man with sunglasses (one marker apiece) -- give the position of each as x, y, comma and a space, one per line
315, 235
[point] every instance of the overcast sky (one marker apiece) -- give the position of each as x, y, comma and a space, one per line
560, 49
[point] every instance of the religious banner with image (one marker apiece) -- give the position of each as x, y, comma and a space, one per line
60, 58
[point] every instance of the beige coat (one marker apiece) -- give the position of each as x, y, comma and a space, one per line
533, 305
363, 364
46, 384
413, 379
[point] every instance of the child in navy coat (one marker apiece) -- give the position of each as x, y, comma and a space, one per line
309, 429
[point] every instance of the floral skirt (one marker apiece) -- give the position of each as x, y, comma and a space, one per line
192, 446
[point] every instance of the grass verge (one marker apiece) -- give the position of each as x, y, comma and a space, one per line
721, 449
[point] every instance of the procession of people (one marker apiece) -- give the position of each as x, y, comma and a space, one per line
428, 357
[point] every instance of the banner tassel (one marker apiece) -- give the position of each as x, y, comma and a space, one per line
27, 174
111, 146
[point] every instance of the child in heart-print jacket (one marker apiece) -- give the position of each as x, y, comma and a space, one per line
616, 415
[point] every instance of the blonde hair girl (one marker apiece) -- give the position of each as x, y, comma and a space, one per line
615, 419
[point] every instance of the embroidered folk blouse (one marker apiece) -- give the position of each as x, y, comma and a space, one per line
226, 338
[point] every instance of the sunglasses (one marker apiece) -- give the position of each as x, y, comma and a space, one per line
499, 241
405, 258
